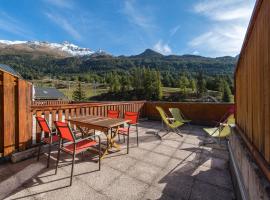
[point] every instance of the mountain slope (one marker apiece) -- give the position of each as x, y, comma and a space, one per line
36, 47
37, 59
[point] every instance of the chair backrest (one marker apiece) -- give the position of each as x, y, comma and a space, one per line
113, 113
226, 130
64, 130
163, 115
177, 114
229, 112
43, 125
231, 120
132, 116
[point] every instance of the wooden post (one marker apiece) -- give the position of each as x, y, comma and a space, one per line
24, 131
8, 114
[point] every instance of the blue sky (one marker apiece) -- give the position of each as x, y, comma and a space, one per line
127, 27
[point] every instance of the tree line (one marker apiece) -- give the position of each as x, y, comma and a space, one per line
146, 83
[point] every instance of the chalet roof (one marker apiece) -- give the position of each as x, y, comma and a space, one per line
48, 93
9, 70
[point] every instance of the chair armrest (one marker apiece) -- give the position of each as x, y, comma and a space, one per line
170, 119
224, 124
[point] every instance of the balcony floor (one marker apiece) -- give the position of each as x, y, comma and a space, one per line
175, 168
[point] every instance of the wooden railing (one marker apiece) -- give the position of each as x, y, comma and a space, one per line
252, 80
50, 102
65, 111
199, 113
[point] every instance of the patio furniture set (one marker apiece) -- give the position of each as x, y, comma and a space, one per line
79, 134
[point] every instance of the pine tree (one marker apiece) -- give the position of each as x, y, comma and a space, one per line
158, 86
78, 93
184, 83
125, 83
226, 96
193, 85
201, 84
147, 83
116, 84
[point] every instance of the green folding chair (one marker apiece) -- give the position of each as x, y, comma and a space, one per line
179, 116
222, 131
170, 125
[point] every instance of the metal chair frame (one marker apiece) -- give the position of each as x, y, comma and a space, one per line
51, 134
74, 153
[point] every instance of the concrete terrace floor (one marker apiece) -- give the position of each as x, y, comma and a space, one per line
174, 168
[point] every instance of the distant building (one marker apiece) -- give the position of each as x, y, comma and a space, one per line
42, 93
207, 99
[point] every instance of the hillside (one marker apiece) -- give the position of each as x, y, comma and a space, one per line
35, 60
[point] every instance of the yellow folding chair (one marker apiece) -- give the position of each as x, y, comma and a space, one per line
221, 131
170, 125
179, 116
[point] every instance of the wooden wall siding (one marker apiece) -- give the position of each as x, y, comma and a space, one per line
9, 122
24, 115
1, 115
252, 79
15, 101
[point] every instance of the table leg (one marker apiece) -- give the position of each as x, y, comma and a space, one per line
112, 141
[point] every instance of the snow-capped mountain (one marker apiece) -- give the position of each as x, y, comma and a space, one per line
67, 48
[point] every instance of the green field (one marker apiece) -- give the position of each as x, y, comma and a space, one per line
67, 87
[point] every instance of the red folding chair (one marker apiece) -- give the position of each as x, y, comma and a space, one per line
133, 117
113, 114
50, 138
74, 146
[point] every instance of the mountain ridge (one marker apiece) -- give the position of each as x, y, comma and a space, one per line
34, 61
64, 49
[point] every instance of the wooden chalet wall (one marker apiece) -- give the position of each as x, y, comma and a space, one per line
15, 114
252, 80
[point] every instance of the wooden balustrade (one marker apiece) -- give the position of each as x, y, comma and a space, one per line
199, 113
50, 102
65, 111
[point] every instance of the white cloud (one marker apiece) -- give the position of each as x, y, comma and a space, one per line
11, 25
195, 52
225, 10
136, 15
220, 41
228, 21
162, 48
174, 30
60, 3
64, 24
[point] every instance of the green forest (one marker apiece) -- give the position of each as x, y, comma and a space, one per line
149, 75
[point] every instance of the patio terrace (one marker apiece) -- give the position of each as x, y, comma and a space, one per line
174, 168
